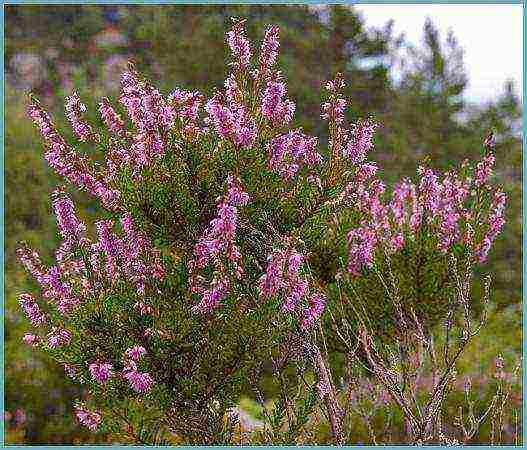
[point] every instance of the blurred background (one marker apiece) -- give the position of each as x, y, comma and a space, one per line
410, 75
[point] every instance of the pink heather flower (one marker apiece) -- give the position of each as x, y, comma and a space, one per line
448, 231
495, 223
333, 111
269, 50
109, 246
70, 227
484, 169
217, 246
236, 195
232, 91
89, 419
219, 116
402, 192
233, 123
31, 339
429, 191
289, 151
361, 247
67, 163
273, 281
58, 338
71, 371
274, 107
297, 292
139, 260
32, 310
336, 85
396, 243
111, 119
139, 382
361, 141
366, 171
135, 353
317, 304
101, 372
285, 281
210, 299
187, 104
240, 46
74, 111
42, 119
244, 133
58, 291
295, 261
30, 259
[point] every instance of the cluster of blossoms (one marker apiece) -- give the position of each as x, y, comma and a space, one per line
101, 372
90, 419
443, 206
111, 119
32, 310
231, 121
289, 152
217, 246
227, 114
353, 143
240, 46
139, 382
75, 168
187, 105
74, 111
282, 278
275, 108
494, 224
268, 51
112, 258
130, 257
58, 337
71, 229
151, 115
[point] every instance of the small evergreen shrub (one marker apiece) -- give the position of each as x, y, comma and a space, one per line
231, 241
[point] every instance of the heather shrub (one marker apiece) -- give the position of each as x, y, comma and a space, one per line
230, 241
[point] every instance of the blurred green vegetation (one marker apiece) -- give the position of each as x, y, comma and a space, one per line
51, 49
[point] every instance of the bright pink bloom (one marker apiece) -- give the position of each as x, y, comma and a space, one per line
32, 310
31, 339
89, 419
317, 303
58, 338
288, 152
361, 141
139, 382
71, 229
269, 50
361, 247
135, 353
111, 119
274, 107
240, 46
101, 372
74, 111
484, 169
